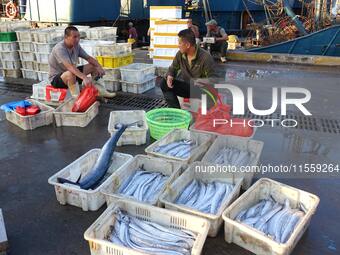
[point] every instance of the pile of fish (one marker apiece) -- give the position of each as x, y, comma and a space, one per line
178, 149
272, 218
148, 237
143, 185
204, 197
234, 157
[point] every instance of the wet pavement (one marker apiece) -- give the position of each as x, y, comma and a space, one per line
37, 224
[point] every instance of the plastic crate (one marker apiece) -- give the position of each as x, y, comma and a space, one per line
165, 63
97, 232
8, 46
8, 37
240, 143
203, 143
88, 200
112, 73
255, 241
137, 72
26, 46
29, 74
39, 90
10, 64
28, 65
151, 164
44, 118
192, 127
43, 47
41, 67
11, 73
24, 35
170, 195
96, 33
42, 76
112, 85
48, 35
126, 60
107, 48
42, 57
108, 61
166, 52
9, 56
27, 56
65, 117
138, 88
132, 135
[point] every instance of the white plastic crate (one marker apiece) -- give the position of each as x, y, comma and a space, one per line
96, 33
42, 76
65, 117
166, 12
164, 63
8, 46
14, 25
29, 74
88, 200
10, 64
203, 143
97, 232
112, 85
48, 35
24, 35
138, 88
165, 52
39, 90
44, 118
151, 164
255, 241
26, 46
43, 47
27, 56
9, 56
137, 72
110, 48
170, 195
28, 65
165, 40
132, 135
112, 73
42, 57
240, 143
11, 73
41, 67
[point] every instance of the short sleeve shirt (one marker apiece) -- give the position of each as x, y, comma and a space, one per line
61, 54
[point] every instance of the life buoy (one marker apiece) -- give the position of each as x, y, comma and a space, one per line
11, 10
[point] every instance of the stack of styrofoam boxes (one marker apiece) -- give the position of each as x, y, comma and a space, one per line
43, 42
26, 52
137, 78
159, 13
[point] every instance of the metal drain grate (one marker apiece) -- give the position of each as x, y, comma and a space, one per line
135, 102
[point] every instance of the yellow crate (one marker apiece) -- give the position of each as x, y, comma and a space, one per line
108, 61
127, 60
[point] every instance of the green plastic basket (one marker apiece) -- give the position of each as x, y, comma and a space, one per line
8, 37
162, 121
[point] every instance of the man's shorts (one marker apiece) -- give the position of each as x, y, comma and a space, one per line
57, 82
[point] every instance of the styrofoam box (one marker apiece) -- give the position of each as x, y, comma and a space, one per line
11, 73
112, 73
148, 163
165, 40
44, 118
8, 46
41, 67
165, 52
26, 46
29, 74
166, 12
170, 28
255, 241
42, 57
132, 135
101, 32
165, 63
170, 195
43, 47
86, 199
9, 56
42, 76
137, 72
112, 85
24, 35
65, 117
97, 232
203, 143
240, 143
10, 64
28, 65
27, 56
138, 88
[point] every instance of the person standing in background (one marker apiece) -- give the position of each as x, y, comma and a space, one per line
133, 34
194, 29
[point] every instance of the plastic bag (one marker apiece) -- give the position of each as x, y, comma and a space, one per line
11, 106
86, 98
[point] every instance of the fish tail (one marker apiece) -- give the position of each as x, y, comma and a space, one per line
63, 180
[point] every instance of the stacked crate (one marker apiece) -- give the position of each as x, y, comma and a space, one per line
102, 33
26, 52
